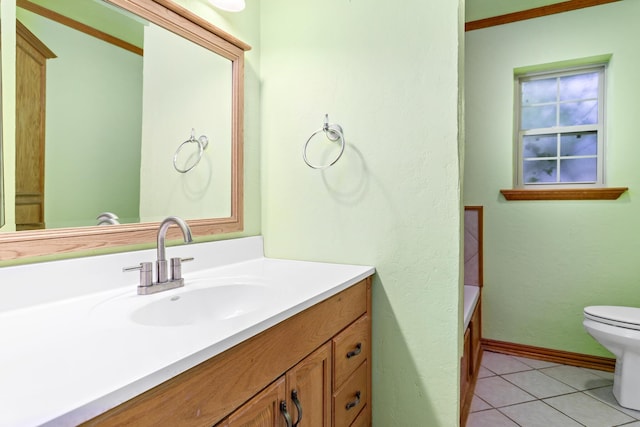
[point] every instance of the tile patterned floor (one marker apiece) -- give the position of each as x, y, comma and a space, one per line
518, 392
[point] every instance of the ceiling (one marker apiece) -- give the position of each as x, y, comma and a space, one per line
480, 9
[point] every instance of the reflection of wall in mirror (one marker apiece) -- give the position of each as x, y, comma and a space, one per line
185, 86
94, 96
1, 157
7, 168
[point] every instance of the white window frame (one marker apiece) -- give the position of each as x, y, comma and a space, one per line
599, 128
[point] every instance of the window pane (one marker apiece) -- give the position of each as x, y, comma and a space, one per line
539, 171
538, 117
581, 86
540, 146
579, 113
578, 170
579, 144
538, 91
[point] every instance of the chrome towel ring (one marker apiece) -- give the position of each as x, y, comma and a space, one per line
334, 133
203, 143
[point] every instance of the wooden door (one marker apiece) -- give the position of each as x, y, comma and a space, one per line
263, 410
31, 74
310, 383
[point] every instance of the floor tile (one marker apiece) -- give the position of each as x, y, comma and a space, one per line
603, 374
605, 394
498, 392
536, 364
538, 384
578, 378
477, 404
503, 364
484, 372
636, 424
491, 418
538, 414
587, 410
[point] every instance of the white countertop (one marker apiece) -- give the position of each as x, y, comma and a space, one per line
64, 361
471, 296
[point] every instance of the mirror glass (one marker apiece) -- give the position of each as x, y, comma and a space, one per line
1, 155
123, 117
111, 122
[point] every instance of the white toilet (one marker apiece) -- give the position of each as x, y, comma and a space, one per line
618, 330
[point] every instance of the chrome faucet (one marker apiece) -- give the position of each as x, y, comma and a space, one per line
161, 262
163, 282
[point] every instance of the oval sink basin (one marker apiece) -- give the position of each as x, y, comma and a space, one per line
219, 303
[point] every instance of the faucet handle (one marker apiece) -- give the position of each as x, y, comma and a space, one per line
176, 267
146, 273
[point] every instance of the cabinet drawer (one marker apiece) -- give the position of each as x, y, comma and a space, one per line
351, 398
350, 349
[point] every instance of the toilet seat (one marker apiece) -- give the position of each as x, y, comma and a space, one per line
624, 317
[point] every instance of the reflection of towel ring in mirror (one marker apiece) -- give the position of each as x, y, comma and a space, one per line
106, 218
334, 133
203, 143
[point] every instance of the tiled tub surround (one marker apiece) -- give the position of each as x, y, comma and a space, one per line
64, 362
515, 391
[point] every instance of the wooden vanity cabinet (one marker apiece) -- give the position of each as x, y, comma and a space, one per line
322, 353
470, 362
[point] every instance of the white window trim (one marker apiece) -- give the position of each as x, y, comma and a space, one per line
600, 128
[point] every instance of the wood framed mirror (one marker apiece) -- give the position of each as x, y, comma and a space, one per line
174, 19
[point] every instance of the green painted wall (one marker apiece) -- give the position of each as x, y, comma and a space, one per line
545, 261
389, 76
8, 34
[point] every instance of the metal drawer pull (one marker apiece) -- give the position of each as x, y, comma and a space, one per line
354, 402
285, 414
355, 352
296, 401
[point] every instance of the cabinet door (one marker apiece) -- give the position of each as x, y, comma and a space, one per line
476, 334
263, 410
309, 389
465, 366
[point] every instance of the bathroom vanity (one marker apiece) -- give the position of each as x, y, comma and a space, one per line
246, 338
318, 361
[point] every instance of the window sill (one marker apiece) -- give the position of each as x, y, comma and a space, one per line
565, 194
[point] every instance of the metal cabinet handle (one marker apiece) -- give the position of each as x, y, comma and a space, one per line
355, 402
356, 351
285, 413
296, 401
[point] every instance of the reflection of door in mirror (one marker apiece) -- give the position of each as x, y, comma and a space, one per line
31, 57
